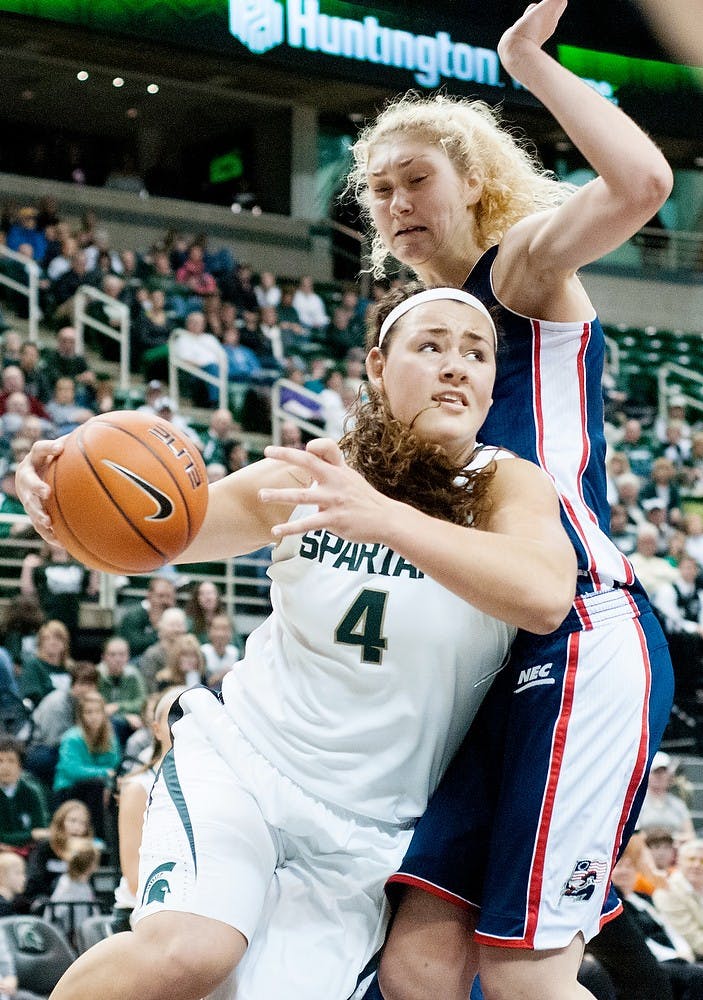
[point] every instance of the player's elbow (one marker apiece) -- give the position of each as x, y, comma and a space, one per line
552, 604
654, 187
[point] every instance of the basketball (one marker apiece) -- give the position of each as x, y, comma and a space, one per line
128, 493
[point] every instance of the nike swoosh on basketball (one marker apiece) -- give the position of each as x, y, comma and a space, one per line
164, 503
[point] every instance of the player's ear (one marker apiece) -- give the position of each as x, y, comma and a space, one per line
375, 365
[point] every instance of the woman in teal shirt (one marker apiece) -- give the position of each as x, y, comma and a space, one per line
88, 755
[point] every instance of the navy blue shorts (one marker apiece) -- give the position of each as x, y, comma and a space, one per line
545, 790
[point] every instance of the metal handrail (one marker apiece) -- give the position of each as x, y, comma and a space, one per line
82, 318
665, 390
176, 364
30, 290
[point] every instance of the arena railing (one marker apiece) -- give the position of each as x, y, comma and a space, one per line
242, 582
83, 319
177, 365
677, 380
29, 289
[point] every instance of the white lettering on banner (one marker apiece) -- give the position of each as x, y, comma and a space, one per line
259, 25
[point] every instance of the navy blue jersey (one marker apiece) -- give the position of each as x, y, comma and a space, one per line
548, 409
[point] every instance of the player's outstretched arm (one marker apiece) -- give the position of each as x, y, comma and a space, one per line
633, 179
521, 568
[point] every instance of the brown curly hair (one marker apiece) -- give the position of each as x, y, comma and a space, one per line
398, 463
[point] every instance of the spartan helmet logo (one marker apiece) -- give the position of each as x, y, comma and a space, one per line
157, 885
258, 24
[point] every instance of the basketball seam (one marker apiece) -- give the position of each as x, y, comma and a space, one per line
110, 497
161, 462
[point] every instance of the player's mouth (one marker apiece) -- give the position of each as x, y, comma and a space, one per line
454, 399
410, 231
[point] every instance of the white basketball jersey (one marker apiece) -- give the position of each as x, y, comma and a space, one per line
363, 681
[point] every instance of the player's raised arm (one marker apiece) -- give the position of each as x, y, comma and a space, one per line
633, 179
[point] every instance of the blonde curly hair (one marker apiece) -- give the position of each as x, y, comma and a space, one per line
515, 184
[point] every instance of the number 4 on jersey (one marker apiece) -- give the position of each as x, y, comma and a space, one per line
362, 625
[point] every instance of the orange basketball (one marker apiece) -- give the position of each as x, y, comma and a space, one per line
128, 492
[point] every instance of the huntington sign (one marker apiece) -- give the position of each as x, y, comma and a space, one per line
261, 25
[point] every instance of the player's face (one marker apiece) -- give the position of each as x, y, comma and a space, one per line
420, 206
439, 372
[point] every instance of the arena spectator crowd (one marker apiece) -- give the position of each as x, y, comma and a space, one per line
91, 721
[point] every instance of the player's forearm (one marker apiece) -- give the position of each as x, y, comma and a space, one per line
617, 149
529, 583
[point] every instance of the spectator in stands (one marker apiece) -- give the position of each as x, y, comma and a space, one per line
165, 407
201, 283
652, 570
220, 430
60, 263
628, 494
63, 290
11, 348
309, 306
663, 485
693, 526
291, 435
21, 620
110, 314
50, 668
23, 811
334, 411
74, 888
59, 582
622, 531
101, 269
150, 333
661, 808
65, 362
655, 514
676, 448
300, 404
36, 381
48, 860
681, 902
662, 847
204, 602
11, 504
238, 288
693, 467
243, 364
88, 756
64, 412
220, 651
267, 291
16, 270
122, 686
343, 333
185, 664
271, 329
236, 455
162, 278
11, 381
295, 335
200, 348
172, 624
675, 413
13, 880
673, 954
252, 336
134, 792
354, 368
638, 448
680, 607
54, 716
25, 230
138, 625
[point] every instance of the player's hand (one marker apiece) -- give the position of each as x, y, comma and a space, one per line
346, 504
32, 491
529, 33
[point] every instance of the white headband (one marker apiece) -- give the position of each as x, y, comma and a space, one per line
433, 295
